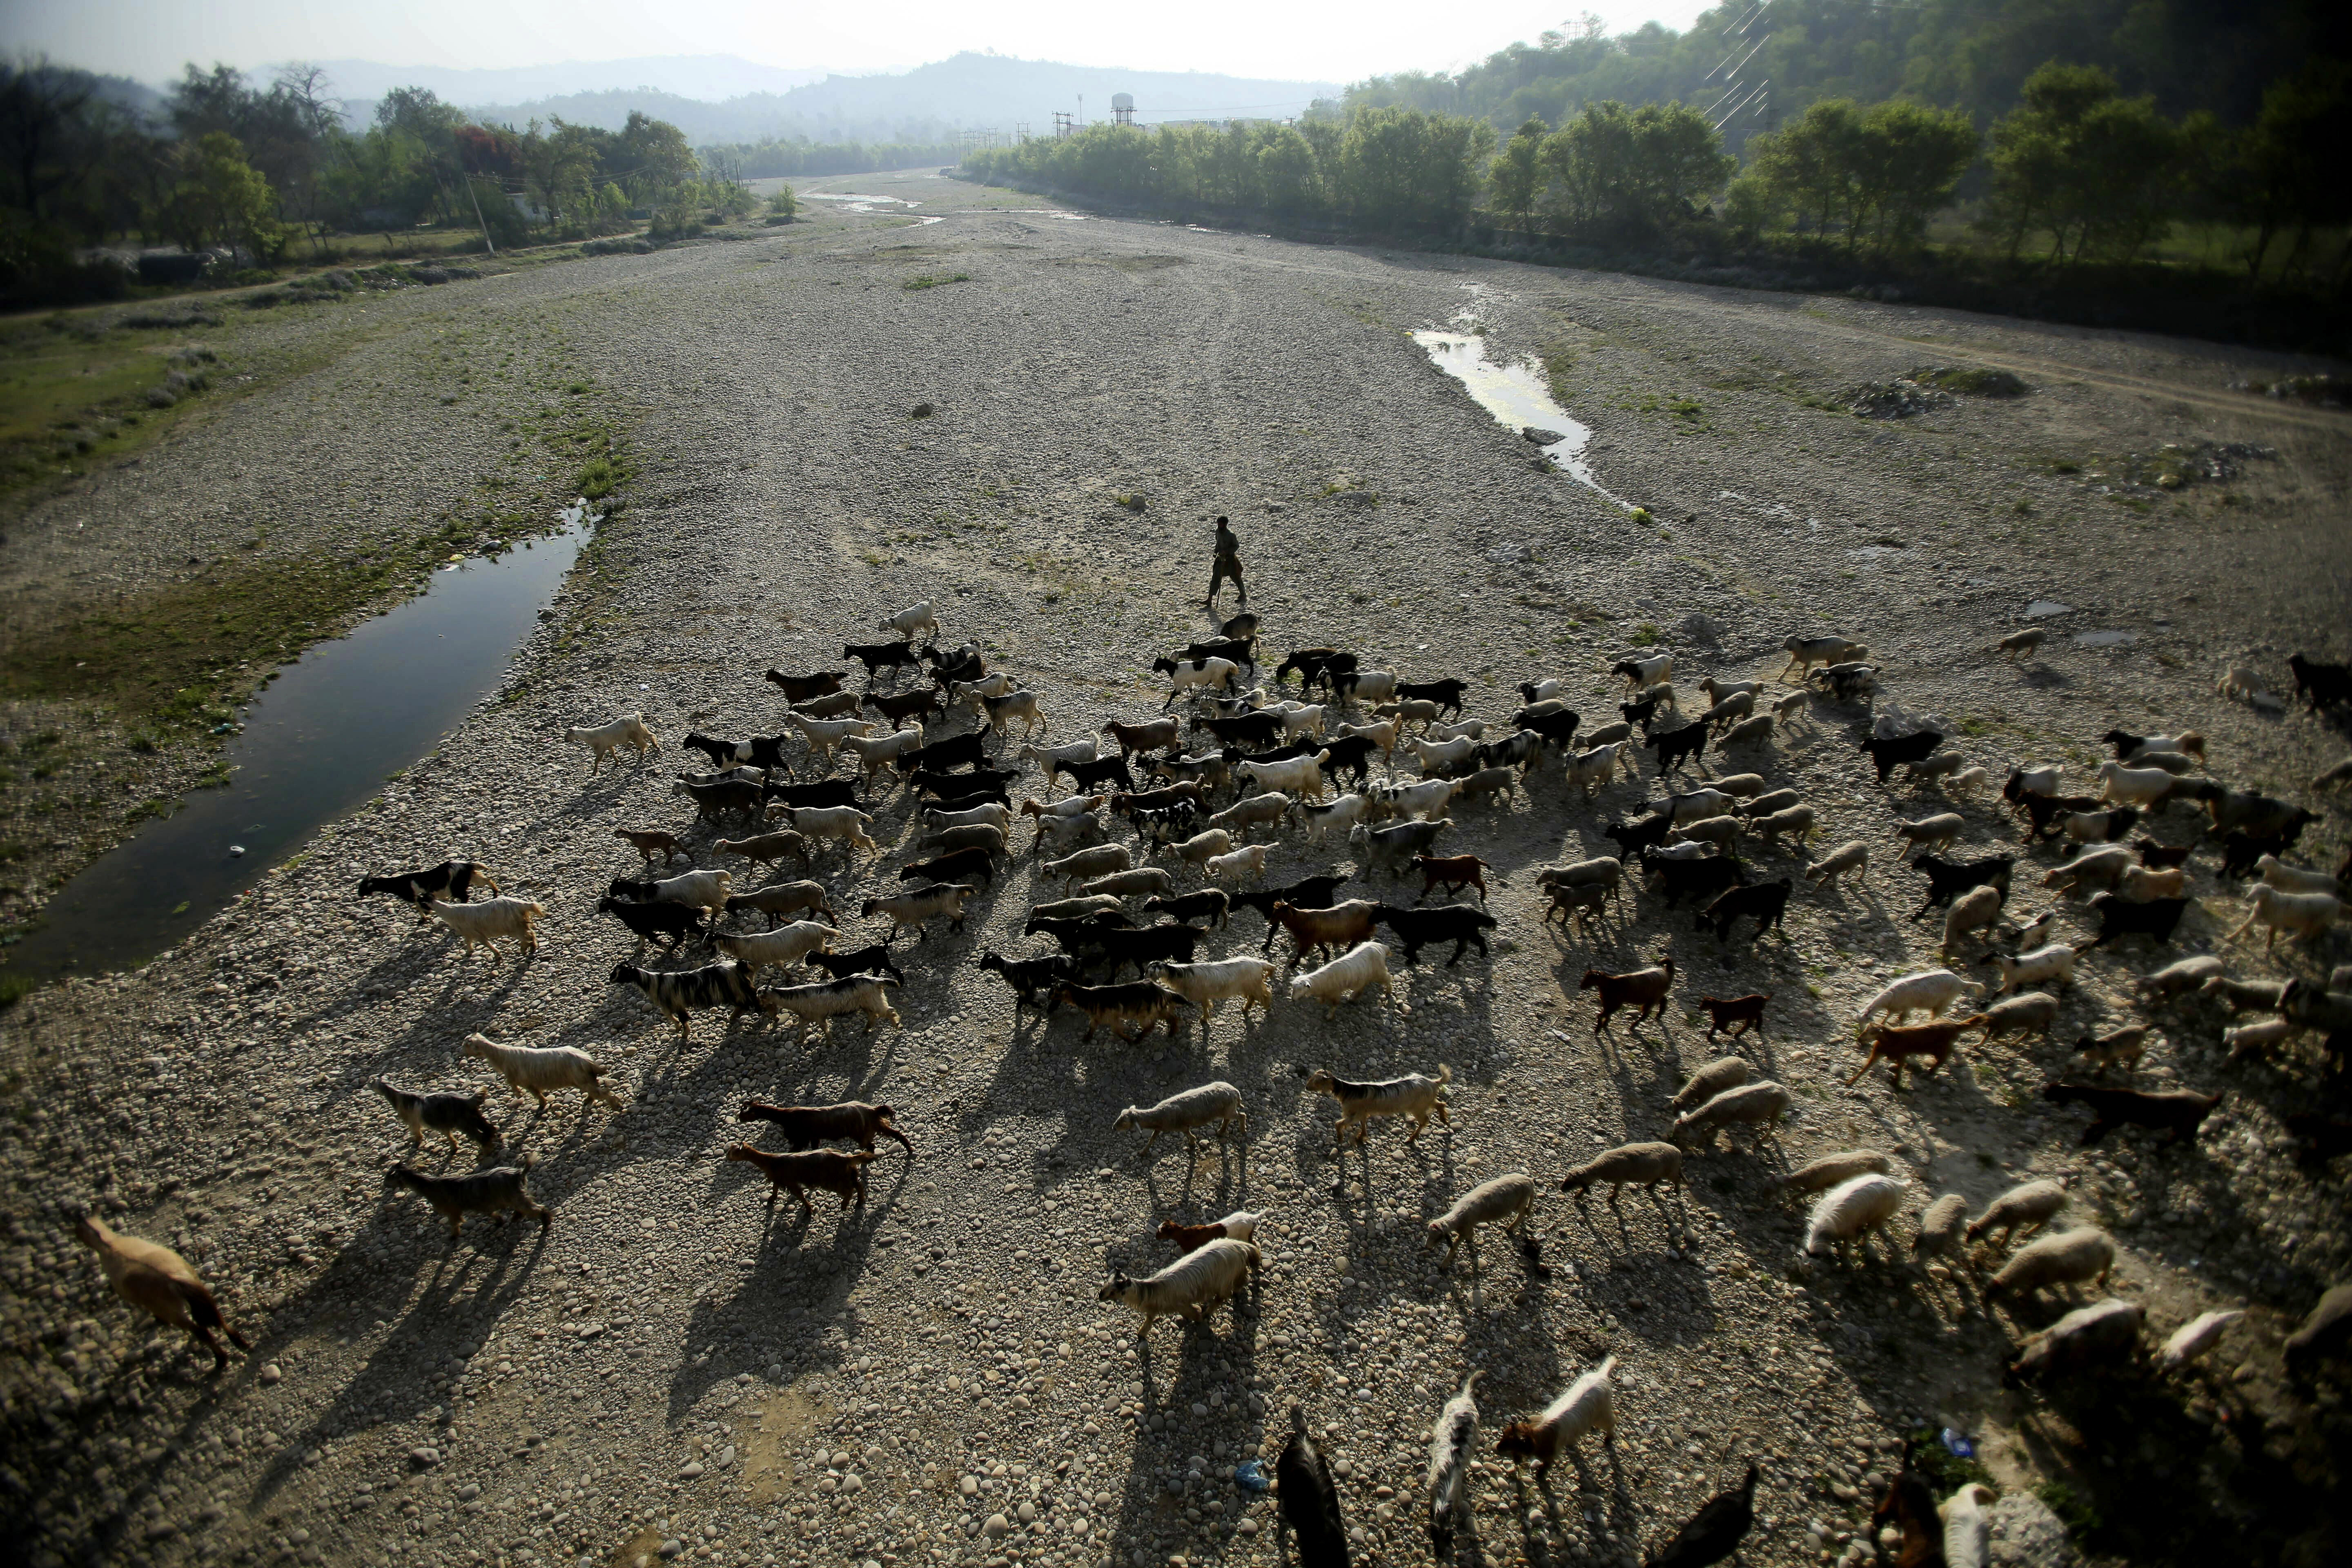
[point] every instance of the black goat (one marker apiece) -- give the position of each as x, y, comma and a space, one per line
822, 793
963, 866
1034, 979
806, 688
880, 656
1214, 903
1447, 694
1695, 878
1947, 879
1632, 838
1891, 752
1457, 924
955, 752
653, 922
1675, 747
2321, 685
2120, 917
1767, 901
450, 881
871, 959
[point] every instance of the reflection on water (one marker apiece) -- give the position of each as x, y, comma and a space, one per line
318, 742
1515, 394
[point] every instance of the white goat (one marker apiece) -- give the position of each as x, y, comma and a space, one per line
480, 924
2133, 786
1416, 1095
1189, 1112
1754, 1104
784, 946
912, 619
1190, 1287
846, 823
1351, 974
2278, 911
1589, 1405
2051, 965
1247, 861
2024, 1207
824, 734
1507, 1201
539, 1068
1303, 775
829, 999
1848, 1212
1929, 990
605, 740
1245, 979
2070, 1258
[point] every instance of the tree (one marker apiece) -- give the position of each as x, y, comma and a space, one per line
1630, 173
2100, 174
1908, 160
1517, 173
2285, 173
1807, 165
222, 199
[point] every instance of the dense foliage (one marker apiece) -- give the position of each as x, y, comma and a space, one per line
2220, 57
771, 159
1884, 118
256, 171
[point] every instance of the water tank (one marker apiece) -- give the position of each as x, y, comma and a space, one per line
1122, 100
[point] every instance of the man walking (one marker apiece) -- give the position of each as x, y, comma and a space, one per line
1229, 564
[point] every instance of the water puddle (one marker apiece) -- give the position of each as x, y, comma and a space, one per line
1516, 396
2042, 609
318, 742
858, 203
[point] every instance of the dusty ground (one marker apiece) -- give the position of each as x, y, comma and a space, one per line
670, 1369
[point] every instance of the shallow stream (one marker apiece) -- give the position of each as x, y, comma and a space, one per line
317, 741
1515, 394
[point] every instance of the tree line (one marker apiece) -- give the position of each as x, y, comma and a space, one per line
2074, 171
779, 156
262, 169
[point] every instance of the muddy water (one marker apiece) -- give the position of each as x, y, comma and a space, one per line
1516, 395
318, 742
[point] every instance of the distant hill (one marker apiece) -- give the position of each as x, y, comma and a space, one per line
965, 91
710, 78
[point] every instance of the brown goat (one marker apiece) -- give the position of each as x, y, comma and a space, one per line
159, 1280
1746, 1012
1452, 872
826, 1168
805, 1126
647, 841
1643, 988
1891, 1043
1157, 735
1335, 930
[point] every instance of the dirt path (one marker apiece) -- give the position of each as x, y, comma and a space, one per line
672, 1369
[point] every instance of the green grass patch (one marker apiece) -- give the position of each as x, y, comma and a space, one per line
929, 280
73, 394
167, 659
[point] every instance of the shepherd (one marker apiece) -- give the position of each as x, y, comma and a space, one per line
1229, 564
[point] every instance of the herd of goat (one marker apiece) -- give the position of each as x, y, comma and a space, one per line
1154, 851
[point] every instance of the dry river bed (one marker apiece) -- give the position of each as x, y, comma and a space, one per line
672, 1371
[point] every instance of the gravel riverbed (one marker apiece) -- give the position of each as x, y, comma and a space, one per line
672, 1371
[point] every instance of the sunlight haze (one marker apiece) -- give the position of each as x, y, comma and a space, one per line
151, 39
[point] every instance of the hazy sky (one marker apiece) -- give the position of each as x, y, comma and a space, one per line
1321, 39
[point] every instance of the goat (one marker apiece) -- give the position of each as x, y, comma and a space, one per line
1848, 1212
1833, 1170
846, 823
2117, 1048
1034, 981
2053, 964
1242, 980
1744, 1012
1214, 903
1677, 747
1456, 923
1889, 752
2321, 685
1767, 902
1928, 991
799, 688
1893, 1044
158, 1281
677, 994
1644, 1164
1643, 989
1239, 1226
1507, 1201
1724, 1072
1716, 1531
783, 946
1188, 1112
1588, 1406
1756, 1104
2305, 915
805, 1126
1392, 849
1415, 1095
897, 707
1852, 856
2069, 1258
828, 1169
2083, 1338
2179, 1112
1804, 652
2022, 1208
505, 1190
778, 899
765, 848
605, 740
918, 905
1452, 1441
447, 1114
1190, 1287
827, 1000
704, 891
647, 842
2121, 916
1195, 675
1322, 931
482, 924
452, 880
1253, 811
874, 958
879, 656
1453, 873
1685, 877
1351, 974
